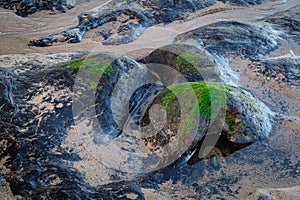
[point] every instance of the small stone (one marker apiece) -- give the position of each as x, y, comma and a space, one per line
131, 196
47, 98
60, 105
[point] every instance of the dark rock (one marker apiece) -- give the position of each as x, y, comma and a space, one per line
244, 2
40, 105
32, 130
288, 21
246, 118
291, 193
27, 7
286, 69
225, 40
232, 38
133, 17
115, 90
193, 63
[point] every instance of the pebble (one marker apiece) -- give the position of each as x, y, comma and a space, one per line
60, 105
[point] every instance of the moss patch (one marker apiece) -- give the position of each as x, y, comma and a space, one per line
90, 71
215, 103
207, 94
211, 98
188, 62
90, 67
188, 58
77, 63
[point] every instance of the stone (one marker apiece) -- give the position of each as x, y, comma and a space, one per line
291, 193
27, 7
131, 17
233, 38
286, 69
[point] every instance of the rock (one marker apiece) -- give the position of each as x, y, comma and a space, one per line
115, 80
5, 192
193, 63
37, 117
198, 65
246, 118
130, 19
287, 69
245, 2
288, 19
27, 7
254, 41
32, 130
232, 38
291, 193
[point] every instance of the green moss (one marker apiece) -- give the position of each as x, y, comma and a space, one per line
188, 58
207, 94
75, 64
210, 99
100, 68
90, 67
90, 71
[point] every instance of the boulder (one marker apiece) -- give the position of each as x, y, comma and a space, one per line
243, 118
233, 38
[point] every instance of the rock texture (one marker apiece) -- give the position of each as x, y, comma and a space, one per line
291, 193
38, 113
244, 121
285, 69
288, 20
28, 108
251, 41
27, 7
243, 124
232, 38
124, 21
42, 155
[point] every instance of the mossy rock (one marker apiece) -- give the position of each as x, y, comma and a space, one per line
193, 63
245, 119
88, 69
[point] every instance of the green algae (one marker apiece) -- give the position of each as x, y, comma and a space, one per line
77, 63
188, 58
207, 94
89, 71
214, 103
211, 99
90, 67
188, 61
